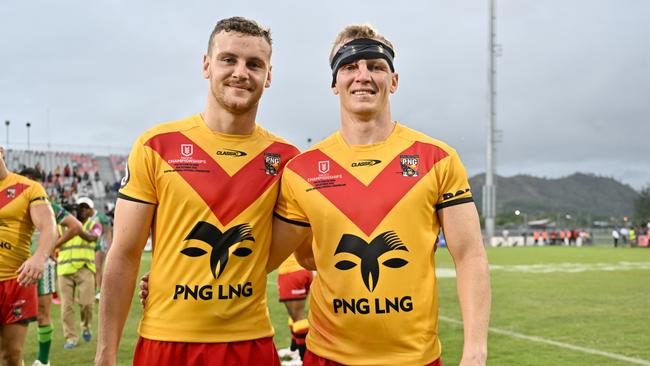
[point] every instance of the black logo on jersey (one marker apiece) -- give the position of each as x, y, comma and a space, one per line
365, 162
230, 152
271, 163
369, 255
447, 196
220, 243
409, 164
11, 192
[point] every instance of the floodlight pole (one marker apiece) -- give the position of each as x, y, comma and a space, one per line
28, 125
489, 190
7, 123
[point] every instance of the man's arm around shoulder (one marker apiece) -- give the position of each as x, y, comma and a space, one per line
463, 235
287, 237
131, 229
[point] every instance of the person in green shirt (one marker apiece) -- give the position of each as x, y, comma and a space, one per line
103, 244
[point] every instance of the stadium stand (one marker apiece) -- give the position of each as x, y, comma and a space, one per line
67, 175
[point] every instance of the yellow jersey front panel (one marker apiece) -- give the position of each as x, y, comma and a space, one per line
17, 195
290, 265
212, 229
372, 210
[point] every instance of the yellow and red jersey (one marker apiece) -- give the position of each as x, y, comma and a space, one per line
214, 197
17, 195
373, 213
290, 265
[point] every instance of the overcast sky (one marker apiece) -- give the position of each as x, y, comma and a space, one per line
573, 75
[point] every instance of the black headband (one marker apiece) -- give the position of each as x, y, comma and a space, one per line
361, 49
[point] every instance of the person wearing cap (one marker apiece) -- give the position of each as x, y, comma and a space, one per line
375, 196
24, 206
76, 271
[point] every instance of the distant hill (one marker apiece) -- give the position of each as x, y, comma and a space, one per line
577, 194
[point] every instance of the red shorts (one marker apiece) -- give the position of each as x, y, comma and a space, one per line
311, 359
18, 304
294, 285
255, 352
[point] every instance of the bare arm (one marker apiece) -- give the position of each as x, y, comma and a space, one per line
132, 224
463, 234
32, 269
88, 235
286, 238
73, 228
305, 255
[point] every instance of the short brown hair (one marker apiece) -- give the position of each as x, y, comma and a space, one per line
241, 25
356, 31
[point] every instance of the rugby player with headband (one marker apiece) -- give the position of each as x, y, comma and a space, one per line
361, 49
375, 196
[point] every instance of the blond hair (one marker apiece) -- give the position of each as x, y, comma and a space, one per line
356, 31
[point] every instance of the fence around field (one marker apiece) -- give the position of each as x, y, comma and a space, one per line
596, 237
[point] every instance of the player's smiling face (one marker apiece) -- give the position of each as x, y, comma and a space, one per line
239, 68
363, 86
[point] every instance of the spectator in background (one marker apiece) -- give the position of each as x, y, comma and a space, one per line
103, 244
624, 234
40, 173
615, 237
632, 236
76, 270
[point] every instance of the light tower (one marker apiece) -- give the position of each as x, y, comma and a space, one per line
489, 189
28, 125
7, 123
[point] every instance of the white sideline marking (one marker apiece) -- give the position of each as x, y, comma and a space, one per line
572, 267
615, 356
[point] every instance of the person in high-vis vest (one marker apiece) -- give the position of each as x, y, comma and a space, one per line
76, 271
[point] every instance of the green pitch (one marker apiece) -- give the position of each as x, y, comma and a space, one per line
551, 306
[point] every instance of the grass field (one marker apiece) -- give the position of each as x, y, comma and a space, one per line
551, 306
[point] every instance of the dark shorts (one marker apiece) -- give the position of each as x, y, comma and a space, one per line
18, 304
315, 360
255, 352
294, 285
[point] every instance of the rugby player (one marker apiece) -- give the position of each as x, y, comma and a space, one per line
47, 283
23, 207
375, 195
293, 289
205, 186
